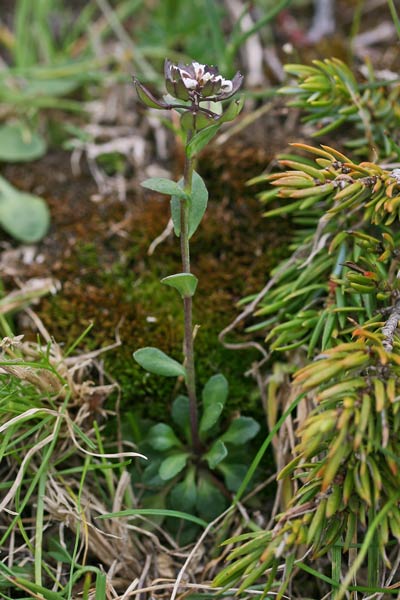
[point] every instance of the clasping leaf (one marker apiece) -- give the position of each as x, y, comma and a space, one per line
185, 283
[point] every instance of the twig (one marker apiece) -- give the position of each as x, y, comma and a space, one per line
161, 238
389, 329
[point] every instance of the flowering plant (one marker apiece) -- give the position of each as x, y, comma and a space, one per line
195, 458
196, 84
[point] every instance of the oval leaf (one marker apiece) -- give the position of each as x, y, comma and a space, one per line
209, 418
156, 361
183, 495
22, 215
233, 474
180, 414
210, 501
165, 186
18, 144
173, 465
162, 437
185, 283
216, 454
241, 430
215, 390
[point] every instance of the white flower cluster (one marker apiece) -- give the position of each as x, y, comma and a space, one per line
198, 75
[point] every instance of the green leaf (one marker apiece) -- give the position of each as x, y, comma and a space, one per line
173, 465
18, 144
197, 207
215, 390
162, 437
180, 414
101, 585
210, 501
232, 111
51, 87
200, 140
233, 474
183, 495
156, 361
216, 454
198, 202
241, 430
214, 396
22, 215
195, 122
185, 283
209, 418
165, 186
163, 512
176, 211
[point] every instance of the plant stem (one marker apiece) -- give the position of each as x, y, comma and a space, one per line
187, 307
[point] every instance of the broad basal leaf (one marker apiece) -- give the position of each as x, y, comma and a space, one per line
173, 465
24, 216
162, 437
19, 144
216, 454
241, 430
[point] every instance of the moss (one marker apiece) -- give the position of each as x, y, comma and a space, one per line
108, 278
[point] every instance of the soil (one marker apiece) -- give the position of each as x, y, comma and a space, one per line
98, 251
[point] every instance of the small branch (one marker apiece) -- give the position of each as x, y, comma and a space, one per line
389, 329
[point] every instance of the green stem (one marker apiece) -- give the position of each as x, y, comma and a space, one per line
395, 16
187, 307
39, 527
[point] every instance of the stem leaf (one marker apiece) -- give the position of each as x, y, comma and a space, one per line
185, 283
157, 362
165, 186
200, 140
197, 208
198, 203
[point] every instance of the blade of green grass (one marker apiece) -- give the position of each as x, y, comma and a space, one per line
133, 512
395, 16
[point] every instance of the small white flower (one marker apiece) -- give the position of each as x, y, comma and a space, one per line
197, 81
